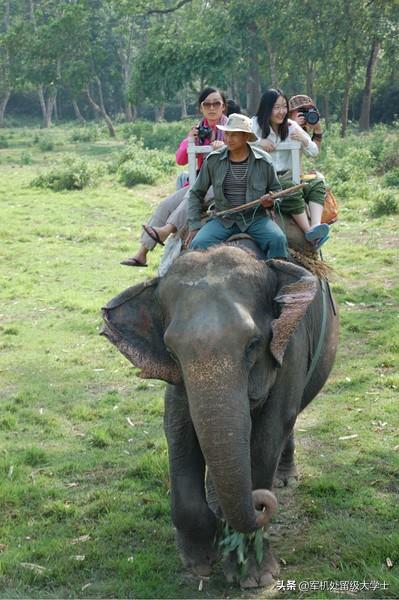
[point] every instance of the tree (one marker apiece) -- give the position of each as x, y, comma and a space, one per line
5, 67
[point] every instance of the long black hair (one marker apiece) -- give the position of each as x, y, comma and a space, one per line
264, 113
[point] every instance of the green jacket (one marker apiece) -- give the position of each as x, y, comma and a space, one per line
262, 179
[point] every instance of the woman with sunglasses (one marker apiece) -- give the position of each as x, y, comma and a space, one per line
272, 125
171, 213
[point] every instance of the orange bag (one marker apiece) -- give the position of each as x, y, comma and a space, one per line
330, 210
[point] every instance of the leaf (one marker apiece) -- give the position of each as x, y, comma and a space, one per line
241, 551
258, 544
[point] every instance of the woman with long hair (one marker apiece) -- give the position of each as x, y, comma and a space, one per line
272, 125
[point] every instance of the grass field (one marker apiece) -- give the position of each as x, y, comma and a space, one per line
84, 492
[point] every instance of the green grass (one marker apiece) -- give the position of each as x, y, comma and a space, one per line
84, 492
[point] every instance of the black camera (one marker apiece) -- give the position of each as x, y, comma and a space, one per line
311, 115
204, 133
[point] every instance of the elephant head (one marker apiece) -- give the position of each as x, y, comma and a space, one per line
219, 323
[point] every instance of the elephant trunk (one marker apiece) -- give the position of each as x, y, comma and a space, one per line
223, 426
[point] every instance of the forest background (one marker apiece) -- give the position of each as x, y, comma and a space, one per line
84, 486
123, 59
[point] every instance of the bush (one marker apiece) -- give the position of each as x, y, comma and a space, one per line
85, 134
3, 142
133, 172
46, 145
384, 203
136, 164
163, 136
72, 173
26, 158
392, 178
390, 153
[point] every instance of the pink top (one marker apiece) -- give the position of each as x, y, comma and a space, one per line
217, 134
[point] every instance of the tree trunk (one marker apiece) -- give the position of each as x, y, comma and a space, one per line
253, 86
3, 106
159, 112
272, 62
345, 108
183, 108
56, 111
310, 81
128, 112
364, 121
100, 110
253, 81
326, 110
42, 101
49, 107
78, 114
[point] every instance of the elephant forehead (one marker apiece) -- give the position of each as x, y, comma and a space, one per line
213, 276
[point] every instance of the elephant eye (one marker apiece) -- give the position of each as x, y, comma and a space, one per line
172, 355
252, 349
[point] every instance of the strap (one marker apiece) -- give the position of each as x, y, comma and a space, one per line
316, 355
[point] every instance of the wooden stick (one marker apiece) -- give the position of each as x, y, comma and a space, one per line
272, 195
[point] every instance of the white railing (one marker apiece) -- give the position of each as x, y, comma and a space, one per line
294, 148
192, 151
289, 146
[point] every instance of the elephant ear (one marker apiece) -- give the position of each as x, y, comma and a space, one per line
133, 323
297, 291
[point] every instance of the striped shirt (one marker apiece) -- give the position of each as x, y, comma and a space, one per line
235, 182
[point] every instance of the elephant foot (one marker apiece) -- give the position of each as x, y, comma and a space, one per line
252, 573
286, 476
197, 556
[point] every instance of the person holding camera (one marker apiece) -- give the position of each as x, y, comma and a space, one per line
272, 125
171, 213
303, 111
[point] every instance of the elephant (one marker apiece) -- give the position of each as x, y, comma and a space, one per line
244, 345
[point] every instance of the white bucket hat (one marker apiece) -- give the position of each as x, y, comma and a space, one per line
238, 122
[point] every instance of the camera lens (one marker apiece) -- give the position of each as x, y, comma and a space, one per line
312, 116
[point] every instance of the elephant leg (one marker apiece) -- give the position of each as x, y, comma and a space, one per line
287, 473
194, 521
257, 574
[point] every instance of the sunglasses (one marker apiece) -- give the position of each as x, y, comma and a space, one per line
216, 104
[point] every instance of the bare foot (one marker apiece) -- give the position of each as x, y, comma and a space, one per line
165, 231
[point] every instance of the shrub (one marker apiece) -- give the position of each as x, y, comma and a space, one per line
46, 145
26, 158
390, 153
392, 178
72, 173
136, 164
163, 136
3, 141
384, 203
85, 134
133, 172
